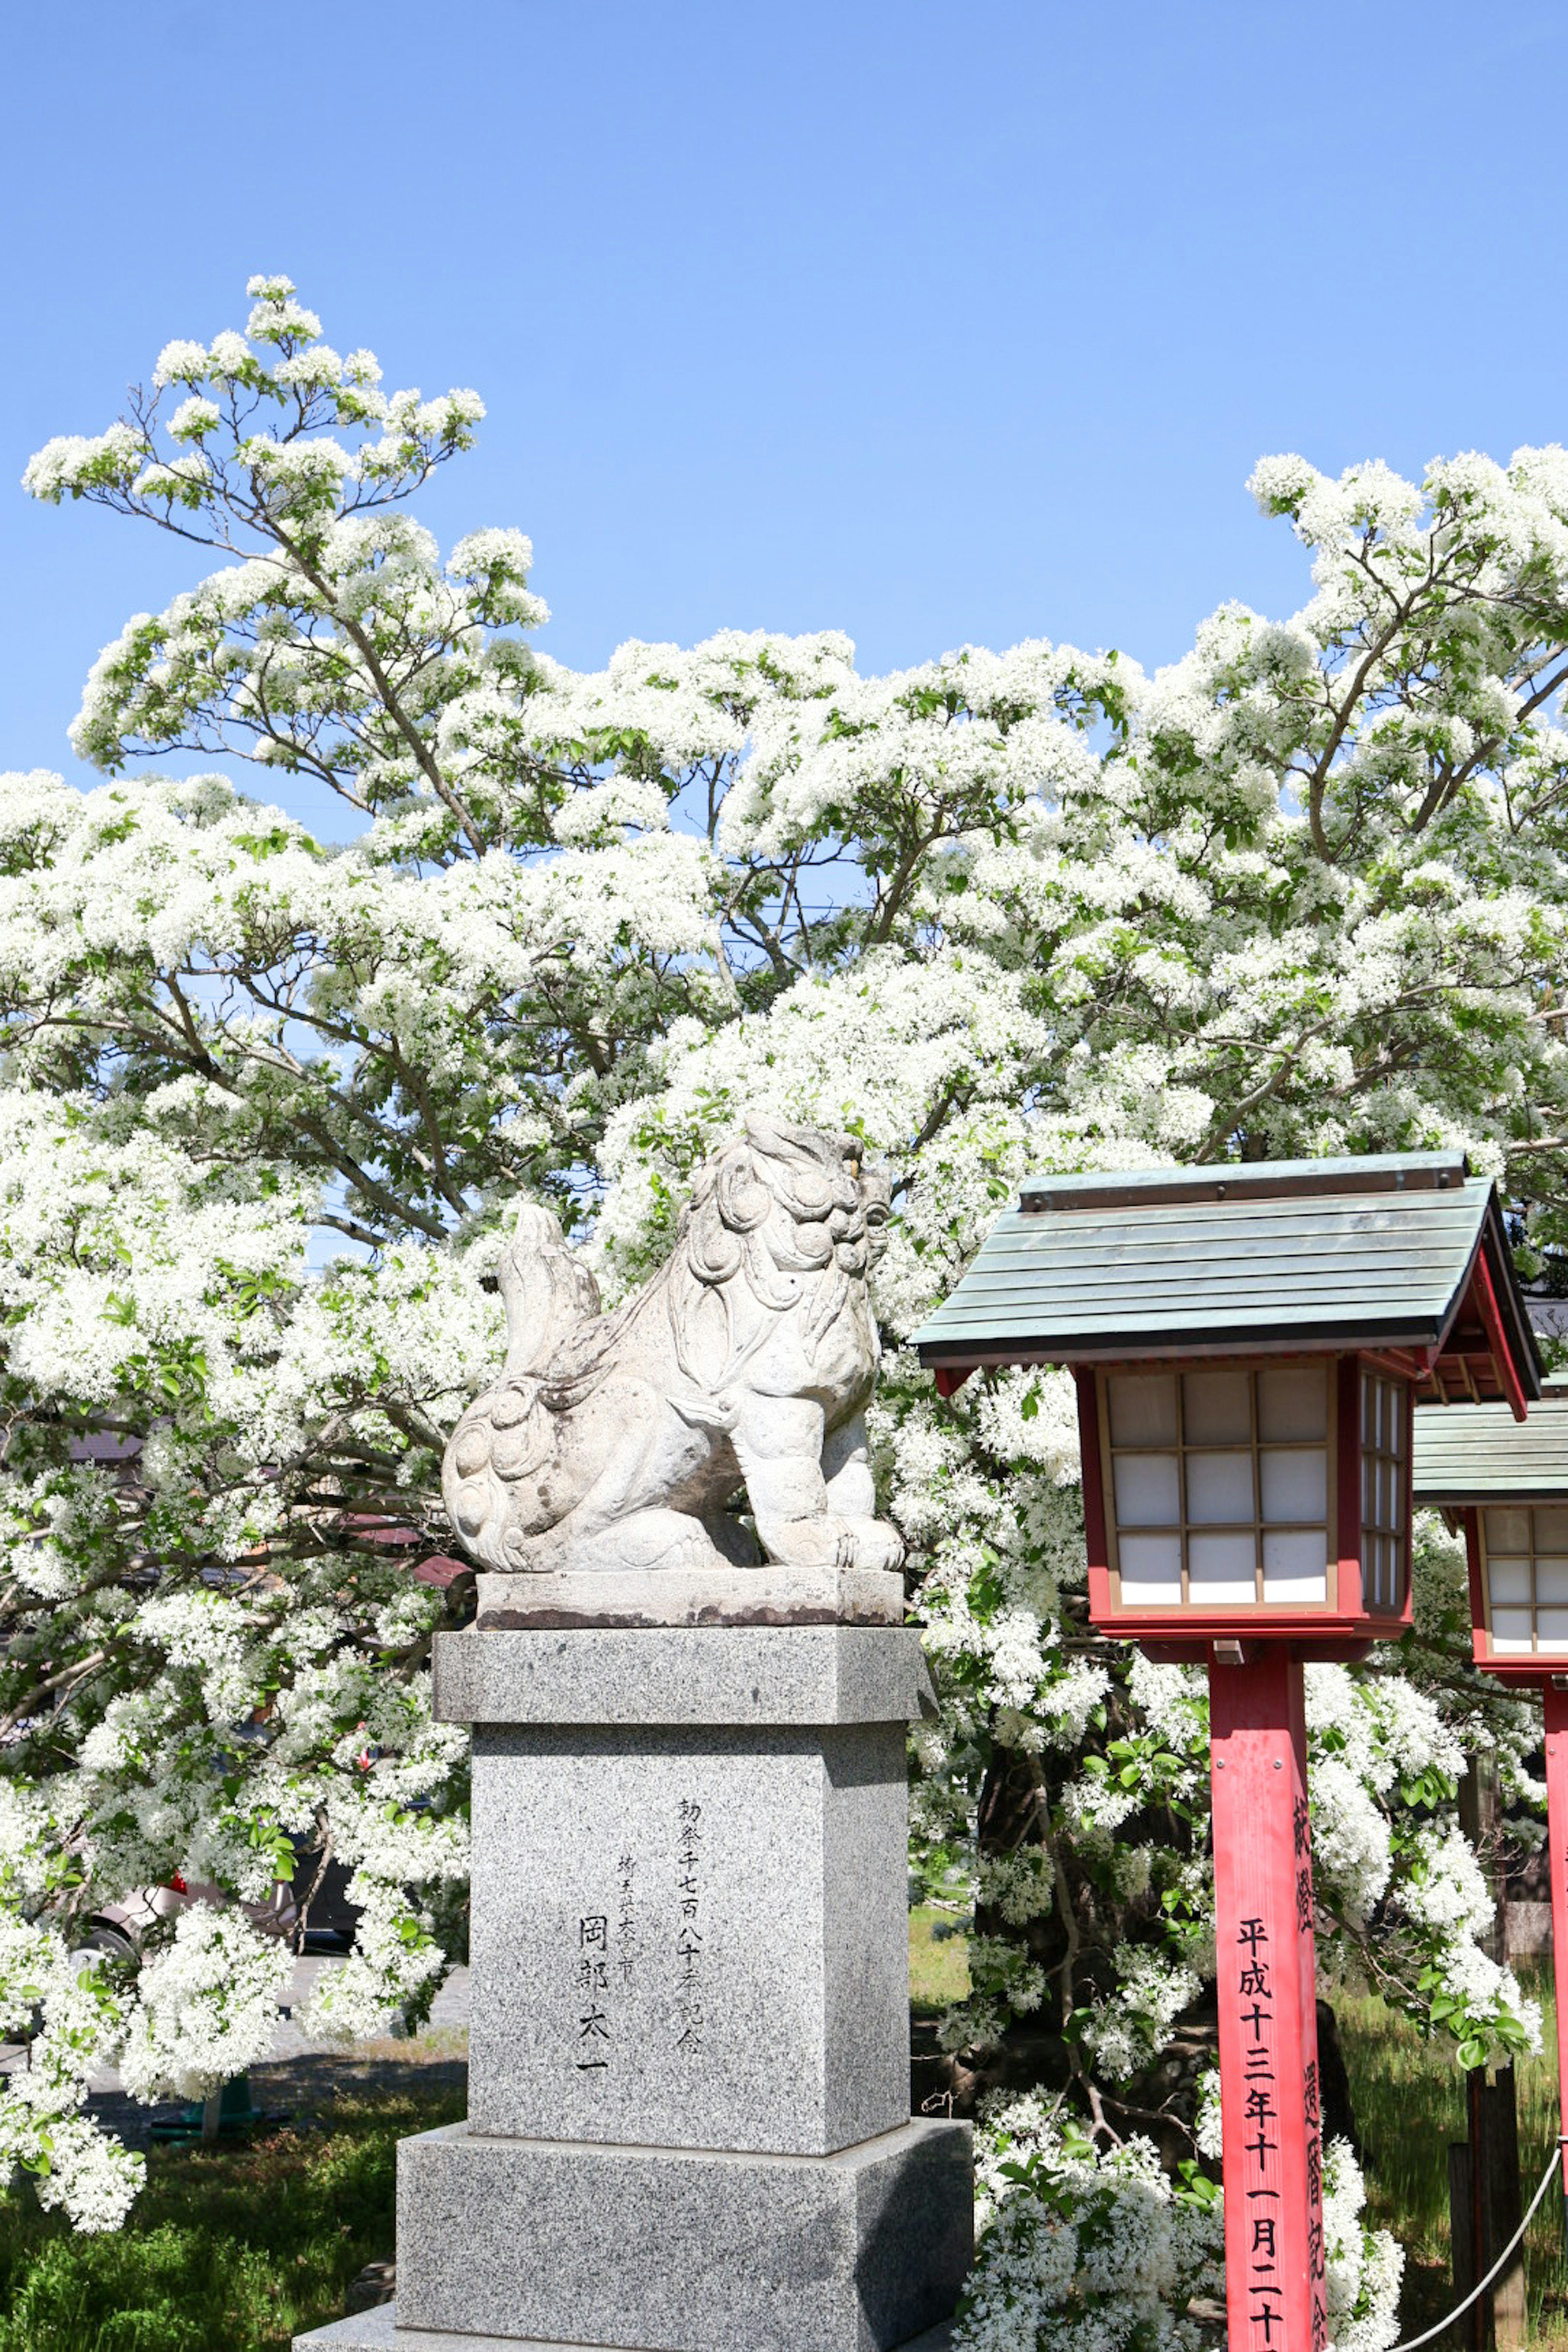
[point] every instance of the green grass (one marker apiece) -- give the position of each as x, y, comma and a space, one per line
938, 1961
233, 2250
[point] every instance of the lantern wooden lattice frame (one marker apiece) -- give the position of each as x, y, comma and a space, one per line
1355, 1585
1393, 1269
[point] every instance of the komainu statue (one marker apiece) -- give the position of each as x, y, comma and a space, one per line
618, 1440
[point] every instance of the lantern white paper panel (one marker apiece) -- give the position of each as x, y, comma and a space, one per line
1216, 1408
1295, 1485
1221, 1568
1524, 1555
1219, 1486
1219, 1490
1385, 1472
1150, 1571
1293, 1563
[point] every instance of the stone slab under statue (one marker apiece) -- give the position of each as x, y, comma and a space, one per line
377, 2331
769, 1595
688, 2125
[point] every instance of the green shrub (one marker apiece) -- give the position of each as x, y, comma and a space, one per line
159, 2290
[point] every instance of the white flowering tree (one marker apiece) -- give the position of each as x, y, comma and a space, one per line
1304, 892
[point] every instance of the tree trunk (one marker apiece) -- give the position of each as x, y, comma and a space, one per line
1491, 2207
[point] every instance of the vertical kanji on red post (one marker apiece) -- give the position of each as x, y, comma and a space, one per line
1554, 1699
1270, 2094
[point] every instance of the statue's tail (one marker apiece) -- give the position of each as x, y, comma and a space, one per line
507, 1437
547, 1289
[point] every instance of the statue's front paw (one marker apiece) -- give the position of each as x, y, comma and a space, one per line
877, 1545
816, 1542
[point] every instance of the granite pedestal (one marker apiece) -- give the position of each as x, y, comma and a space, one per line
688, 2125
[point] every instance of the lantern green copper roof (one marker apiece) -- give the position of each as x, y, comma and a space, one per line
1479, 1454
1363, 1252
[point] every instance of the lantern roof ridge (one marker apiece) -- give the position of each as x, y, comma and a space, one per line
1256, 1180
1393, 1254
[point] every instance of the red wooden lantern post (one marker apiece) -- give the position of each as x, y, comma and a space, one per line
1507, 1487
1249, 1345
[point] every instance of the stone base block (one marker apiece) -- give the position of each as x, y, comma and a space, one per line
688, 1939
377, 2331
555, 1599
689, 1883
685, 2251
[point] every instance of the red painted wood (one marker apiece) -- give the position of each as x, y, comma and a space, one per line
1346, 1648
1480, 1640
1096, 1536
1409, 1409
1486, 1297
1270, 2108
1557, 1706
1326, 1635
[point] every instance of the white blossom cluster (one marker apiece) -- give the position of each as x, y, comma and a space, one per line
1398, 1879
206, 2007
1365, 2266
1090, 2251
1079, 2250
74, 2020
1129, 2031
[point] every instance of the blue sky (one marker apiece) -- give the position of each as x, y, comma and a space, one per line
933, 324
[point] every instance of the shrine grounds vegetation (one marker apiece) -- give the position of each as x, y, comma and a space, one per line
233, 2250
1408, 2106
269, 1103
939, 1965
236, 2249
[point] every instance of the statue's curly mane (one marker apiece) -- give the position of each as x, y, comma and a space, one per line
728, 1230
725, 1230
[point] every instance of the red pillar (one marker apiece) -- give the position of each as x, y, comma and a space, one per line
1554, 1699
1270, 2106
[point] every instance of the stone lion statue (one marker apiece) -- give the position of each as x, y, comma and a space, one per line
617, 1441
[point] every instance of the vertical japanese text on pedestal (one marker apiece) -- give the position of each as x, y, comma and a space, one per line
625, 1922
593, 1987
689, 1930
